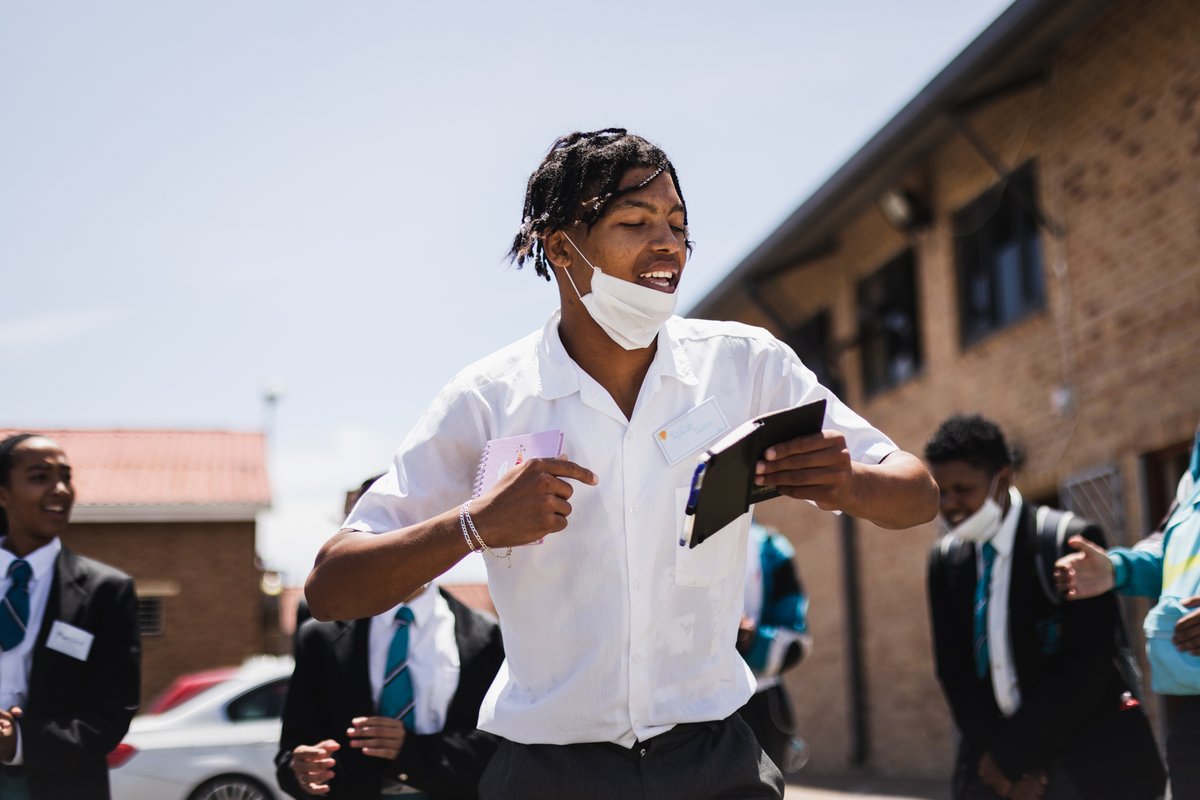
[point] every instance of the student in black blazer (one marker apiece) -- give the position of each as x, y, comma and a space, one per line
331, 687
1053, 718
79, 669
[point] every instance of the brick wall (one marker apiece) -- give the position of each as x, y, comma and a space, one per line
216, 618
1115, 135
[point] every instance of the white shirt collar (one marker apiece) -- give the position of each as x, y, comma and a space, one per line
421, 607
41, 561
558, 374
1007, 534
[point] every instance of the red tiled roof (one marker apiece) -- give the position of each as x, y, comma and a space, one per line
165, 467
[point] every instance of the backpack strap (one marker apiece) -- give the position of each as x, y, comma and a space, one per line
1052, 526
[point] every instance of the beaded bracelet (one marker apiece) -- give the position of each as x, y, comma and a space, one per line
465, 522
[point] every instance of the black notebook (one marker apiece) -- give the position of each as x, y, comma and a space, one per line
723, 486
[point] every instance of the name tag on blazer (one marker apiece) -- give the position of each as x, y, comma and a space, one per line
69, 640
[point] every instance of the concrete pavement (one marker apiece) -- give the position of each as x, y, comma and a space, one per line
867, 787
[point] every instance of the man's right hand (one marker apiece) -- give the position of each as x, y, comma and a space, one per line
313, 766
528, 502
1084, 574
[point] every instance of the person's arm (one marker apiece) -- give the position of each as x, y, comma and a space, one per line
306, 759
110, 691
360, 574
896, 493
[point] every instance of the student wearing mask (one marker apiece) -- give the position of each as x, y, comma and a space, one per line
622, 674
1042, 709
70, 652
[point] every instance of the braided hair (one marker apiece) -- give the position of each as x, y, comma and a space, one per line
6, 464
576, 181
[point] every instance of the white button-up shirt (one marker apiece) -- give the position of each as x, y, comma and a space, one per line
1004, 669
613, 632
433, 659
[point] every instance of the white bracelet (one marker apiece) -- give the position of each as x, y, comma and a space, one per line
464, 515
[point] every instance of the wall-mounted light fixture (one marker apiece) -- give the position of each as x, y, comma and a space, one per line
903, 210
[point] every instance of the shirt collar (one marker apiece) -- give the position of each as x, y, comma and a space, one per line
558, 374
41, 561
1004, 538
422, 607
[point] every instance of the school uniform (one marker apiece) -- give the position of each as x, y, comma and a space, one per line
454, 655
76, 675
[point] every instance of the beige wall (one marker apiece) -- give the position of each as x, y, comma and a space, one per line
216, 619
1115, 133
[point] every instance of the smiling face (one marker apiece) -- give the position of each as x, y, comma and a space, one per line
37, 495
641, 238
964, 487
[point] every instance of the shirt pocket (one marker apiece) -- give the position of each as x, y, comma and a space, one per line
1172, 671
714, 558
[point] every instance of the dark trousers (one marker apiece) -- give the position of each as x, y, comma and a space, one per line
1183, 745
769, 715
694, 761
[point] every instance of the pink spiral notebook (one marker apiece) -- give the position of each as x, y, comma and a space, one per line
501, 455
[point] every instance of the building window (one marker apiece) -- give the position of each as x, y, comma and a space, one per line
1163, 469
999, 257
889, 335
813, 342
150, 616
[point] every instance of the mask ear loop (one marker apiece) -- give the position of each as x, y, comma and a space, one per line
567, 272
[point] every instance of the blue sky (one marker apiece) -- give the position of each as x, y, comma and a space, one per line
202, 200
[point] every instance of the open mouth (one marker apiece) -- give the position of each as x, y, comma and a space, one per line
663, 280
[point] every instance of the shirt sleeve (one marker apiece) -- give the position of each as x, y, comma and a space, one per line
434, 468
787, 382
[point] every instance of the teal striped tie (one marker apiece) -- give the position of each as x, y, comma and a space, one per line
982, 590
396, 700
15, 614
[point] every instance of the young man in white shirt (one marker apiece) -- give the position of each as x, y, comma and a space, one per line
622, 675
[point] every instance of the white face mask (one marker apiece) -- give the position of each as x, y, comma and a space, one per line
980, 526
631, 315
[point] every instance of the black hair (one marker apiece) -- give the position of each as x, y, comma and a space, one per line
578, 178
6, 464
970, 438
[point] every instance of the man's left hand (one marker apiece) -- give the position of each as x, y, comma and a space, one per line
8, 733
1187, 629
989, 773
381, 737
815, 467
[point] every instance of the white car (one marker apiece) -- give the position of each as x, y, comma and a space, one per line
218, 745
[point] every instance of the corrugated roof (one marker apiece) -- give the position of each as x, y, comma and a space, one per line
176, 468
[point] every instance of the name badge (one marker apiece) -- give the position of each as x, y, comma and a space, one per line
687, 434
69, 640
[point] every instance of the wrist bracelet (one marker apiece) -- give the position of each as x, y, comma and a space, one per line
465, 521
462, 523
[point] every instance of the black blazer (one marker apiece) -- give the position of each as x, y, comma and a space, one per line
1071, 691
77, 711
331, 686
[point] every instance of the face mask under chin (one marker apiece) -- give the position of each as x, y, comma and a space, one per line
630, 314
980, 526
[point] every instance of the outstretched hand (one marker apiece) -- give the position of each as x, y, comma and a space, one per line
816, 468
529, 501
1086, 573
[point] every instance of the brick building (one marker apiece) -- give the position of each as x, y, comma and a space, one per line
176, 510
1022, 240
